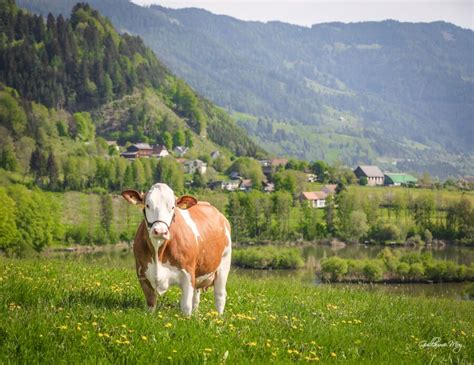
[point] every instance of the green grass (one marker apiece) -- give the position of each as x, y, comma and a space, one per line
54, 311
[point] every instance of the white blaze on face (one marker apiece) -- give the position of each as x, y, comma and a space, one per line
159, 208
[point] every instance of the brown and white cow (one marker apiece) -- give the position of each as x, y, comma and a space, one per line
180, 242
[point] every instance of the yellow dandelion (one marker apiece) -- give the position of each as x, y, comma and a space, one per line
168, 325
174, 351
208, 350
144, 338
333, 354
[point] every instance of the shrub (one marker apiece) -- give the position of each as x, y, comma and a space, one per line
373, 270
415, 240
334, 267
77, 234
436, 270
268, 257
389, 258
403, 269
386, 233
355, 268
451, 270
417, 271
428, 236
411, 258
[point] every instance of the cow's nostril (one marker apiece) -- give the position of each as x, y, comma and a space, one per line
155, 232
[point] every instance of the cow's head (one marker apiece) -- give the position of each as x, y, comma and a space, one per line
159, 205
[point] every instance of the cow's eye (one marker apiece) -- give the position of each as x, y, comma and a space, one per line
172, 207
147, 206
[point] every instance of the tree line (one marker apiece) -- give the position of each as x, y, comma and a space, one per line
351, 216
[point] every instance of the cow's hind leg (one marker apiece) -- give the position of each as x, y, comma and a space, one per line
196, 299
220, 292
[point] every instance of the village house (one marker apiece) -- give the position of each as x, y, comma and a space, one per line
270, 166
160, 151
315, 199
139, 150
268, 187
180, 151
192, 166
373, 174
215, 154
399, 179
329, 189
311, 178
230, 185
245, 185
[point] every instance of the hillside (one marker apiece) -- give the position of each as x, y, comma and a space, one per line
384, 92
81, 64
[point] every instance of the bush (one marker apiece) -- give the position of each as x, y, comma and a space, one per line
373, 270
417, 270
334, 267
386, 233
389, 258
78, 235
428, 237
355, 269
415, 240
268, 257
403, 269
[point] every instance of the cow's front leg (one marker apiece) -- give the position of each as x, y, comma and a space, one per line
196, 299
187, 293
150, 294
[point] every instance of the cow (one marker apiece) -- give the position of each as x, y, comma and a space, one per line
180, 242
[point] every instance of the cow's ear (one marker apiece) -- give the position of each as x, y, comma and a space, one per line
186, 202
134, 197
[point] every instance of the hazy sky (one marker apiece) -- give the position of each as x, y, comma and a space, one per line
459, 12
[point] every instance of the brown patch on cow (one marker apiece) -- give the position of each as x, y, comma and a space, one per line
201, 257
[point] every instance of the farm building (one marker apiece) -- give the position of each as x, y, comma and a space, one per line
316, 199
270, 166
191, 166
399, 179
180, 151
230, 185
329, 189
139, 150
245, 185
373, 174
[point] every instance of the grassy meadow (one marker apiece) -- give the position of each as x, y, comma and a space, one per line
92, 311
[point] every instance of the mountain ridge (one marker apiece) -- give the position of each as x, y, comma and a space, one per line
406, 88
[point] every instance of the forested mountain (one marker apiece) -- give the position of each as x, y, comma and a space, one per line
81, 64
362, 92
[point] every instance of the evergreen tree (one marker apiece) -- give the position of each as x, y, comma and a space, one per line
107, 212
52, 171
179, 138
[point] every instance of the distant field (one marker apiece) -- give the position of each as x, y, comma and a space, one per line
439, 195
57, 311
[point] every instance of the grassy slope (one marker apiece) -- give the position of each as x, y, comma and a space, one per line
85, 312
112, 115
